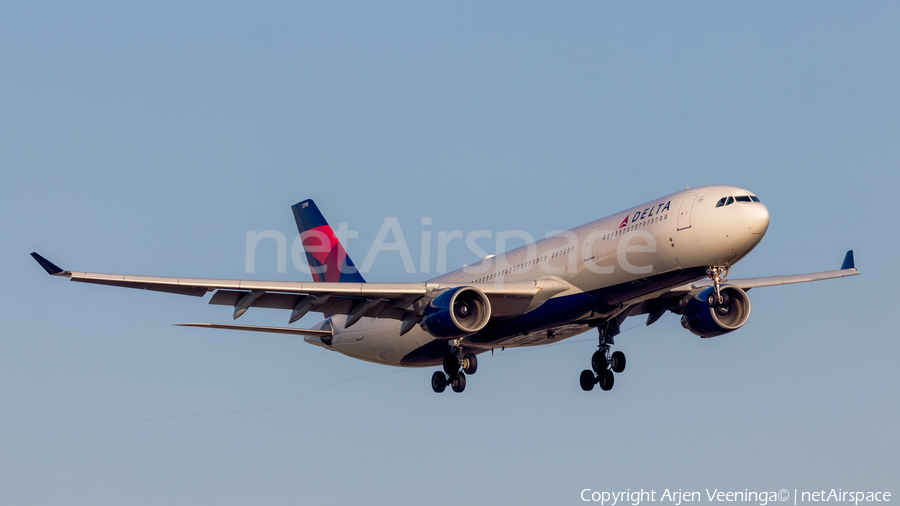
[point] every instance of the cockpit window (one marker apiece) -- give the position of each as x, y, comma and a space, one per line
727, 201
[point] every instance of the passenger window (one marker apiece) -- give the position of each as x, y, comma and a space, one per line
743, 198
729, 201
721, 202
754, 198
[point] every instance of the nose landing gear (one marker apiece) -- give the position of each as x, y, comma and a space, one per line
717, 274
604, 363
456, 365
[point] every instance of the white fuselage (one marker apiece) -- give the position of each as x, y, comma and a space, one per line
658, 242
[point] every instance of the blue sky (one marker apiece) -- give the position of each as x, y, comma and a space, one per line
149, 138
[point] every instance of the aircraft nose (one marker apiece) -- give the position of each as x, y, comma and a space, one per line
756, 217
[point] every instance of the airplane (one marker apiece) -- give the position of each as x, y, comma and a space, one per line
671, 254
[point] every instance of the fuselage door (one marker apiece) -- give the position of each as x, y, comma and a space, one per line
588, 251
684, 214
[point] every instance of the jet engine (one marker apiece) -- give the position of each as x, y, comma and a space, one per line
457, 312
705, 318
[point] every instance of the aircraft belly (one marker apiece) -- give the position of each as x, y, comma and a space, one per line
547, 336
379, 341
370, 341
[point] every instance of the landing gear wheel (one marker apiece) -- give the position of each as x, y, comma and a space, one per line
587, 380
606, 380
724, 305
458, 384
438, 382
618, 361
598, 362
469, 363
451, 364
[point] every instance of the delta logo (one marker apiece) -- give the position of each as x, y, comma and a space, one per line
646, 213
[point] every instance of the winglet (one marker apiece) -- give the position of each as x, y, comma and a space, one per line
848, 261
48, 266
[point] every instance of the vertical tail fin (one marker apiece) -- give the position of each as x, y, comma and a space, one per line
328, 261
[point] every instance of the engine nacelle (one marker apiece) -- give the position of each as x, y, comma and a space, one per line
458, 312
701, 318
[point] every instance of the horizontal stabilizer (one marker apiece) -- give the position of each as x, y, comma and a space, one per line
252, 328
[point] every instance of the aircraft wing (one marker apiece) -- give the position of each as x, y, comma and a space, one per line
656, 303
848, 268
377, 300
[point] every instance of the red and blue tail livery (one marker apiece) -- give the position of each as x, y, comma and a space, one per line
328, 261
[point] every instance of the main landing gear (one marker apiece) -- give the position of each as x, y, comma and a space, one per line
456, 365
604, 363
